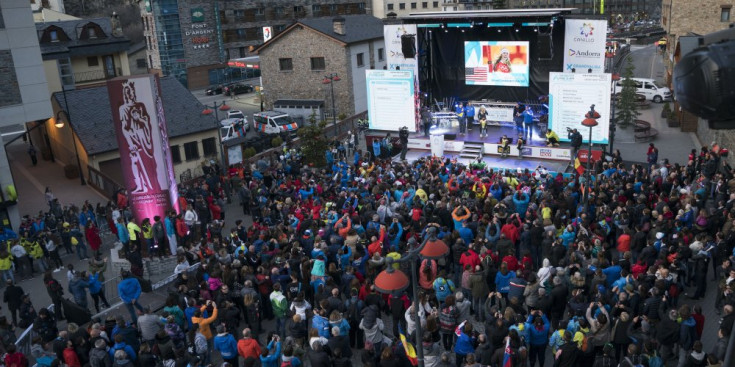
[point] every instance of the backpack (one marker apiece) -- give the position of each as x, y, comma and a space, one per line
74, 241
280, 305
585, 347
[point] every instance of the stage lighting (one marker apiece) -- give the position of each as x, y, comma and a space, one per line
446, 30
535, 30
499, 30
518, 30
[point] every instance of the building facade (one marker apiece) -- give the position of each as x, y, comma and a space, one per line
617, 10
81, 53
294, 63
192, 40
25, 97
381, 8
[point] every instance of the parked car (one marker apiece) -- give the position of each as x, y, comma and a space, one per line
213, 89
238, 88
274, 122
648, 88
236, 114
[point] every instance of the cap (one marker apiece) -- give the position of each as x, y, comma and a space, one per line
65, 225
659, 235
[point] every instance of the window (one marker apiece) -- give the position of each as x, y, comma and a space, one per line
413, 5
317, 63
298, 9
725, 14
93, 61
316, 9
140, 63
435, 4
361, 7
209, 147
279, 11
91, 32
54, 36
66, 74
191, 150
175, 154
285, 64
259, 11
390, 6
424, 5
402, 6
360, 60
381, 54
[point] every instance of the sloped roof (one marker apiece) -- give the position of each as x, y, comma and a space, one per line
92, 117
78, 47
358, 28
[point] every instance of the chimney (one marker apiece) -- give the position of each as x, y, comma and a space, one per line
338, 25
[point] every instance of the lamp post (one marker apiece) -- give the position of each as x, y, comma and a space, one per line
590, 121
330, 79
60, 123
392, 280
208, 110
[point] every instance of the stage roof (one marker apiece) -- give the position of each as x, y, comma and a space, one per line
499, 13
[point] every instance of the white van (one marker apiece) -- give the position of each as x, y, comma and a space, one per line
649, 88
274, 122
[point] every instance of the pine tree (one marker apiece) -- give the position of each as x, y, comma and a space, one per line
313, 142
627, 107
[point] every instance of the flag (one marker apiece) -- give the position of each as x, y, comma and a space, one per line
477, 73
408, 348
507, 355
602, 6
578, 166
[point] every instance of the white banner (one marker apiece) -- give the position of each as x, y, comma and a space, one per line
584, 45
267, 33
234, 154
390, 98
570, 98
497, 113
400, 37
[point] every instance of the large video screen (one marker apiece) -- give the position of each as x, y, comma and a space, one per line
498, 63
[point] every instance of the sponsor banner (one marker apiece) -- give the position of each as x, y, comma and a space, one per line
558, 154
267, 33
497, 113
400, 38
584, 45
145, 158
390, 97
570, 98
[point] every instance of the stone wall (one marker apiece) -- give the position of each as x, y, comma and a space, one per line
9, 80
701, 16
300, 44
152, 269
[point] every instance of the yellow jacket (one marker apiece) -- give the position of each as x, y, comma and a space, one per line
6, 262
147, 232
132, 229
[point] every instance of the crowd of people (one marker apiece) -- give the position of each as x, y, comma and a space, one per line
540, 267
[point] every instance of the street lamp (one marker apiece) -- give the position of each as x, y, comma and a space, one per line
590, 121
60, 124
208, 110
330, 79
393, 280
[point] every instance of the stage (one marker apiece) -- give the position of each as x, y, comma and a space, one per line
454, 143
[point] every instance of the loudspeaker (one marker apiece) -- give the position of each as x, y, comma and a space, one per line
408, 46
450, 136
545, 49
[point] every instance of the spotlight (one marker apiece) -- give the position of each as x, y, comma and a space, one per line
446, 30
472, 24
463, 31
518, 30
442, 25
499, 30
535, 30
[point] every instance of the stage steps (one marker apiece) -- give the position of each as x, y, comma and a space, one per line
472, 150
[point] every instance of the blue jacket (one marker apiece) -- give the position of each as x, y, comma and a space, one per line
443, 288
272, 359
502, 282
612, 273
527, 116
170, 229
76, 287
463, 346
94, 284
469, 111
122, 233
129, 289
537, 337
321, 324
466, 234
688, 333
376, 148
121, 345
226, 345
521, 204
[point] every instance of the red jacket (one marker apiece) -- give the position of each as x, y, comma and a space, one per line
470, 258
70, 358
93, 238
512, 262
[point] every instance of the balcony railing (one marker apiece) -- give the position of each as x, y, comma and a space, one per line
90, 76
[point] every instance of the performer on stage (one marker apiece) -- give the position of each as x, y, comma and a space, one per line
482, 117
520, 144
505, 146
459, 110
528, 123
426, 120
469, 114
518, 115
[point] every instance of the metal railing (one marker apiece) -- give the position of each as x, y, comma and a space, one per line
23, 343
90, 76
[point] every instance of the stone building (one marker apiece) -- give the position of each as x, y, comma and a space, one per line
295, 62
192, 40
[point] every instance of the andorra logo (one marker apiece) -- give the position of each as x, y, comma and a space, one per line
586, 30
572, 52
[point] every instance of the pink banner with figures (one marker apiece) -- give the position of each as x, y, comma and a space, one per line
145, 158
